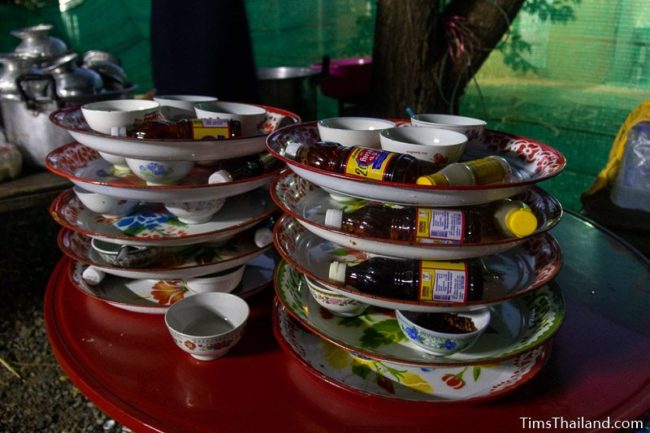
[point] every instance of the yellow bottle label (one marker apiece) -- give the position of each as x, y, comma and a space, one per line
213, 129
487, 170
368, 163
439, 226
443, 281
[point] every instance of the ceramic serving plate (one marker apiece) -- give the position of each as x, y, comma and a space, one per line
516, 326
513, 273
72, 120
151, 224
531, 162
84, 167
404, 381
153, 296
180, 263
308, 203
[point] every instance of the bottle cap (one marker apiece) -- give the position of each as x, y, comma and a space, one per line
337, 271
432, 179
334, 218
92, 275
263, 237
521, 222
292, 150
220, 176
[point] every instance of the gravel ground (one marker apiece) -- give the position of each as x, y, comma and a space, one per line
35, 394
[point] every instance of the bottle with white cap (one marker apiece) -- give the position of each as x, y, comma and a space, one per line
242, 168
414, 280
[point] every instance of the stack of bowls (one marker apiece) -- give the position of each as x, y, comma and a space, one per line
405, 345
147, 223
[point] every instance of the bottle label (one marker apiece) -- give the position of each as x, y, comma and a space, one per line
203, 129
487, 170
437, 226
443, 281
368, 163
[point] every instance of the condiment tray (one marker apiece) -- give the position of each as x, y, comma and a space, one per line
403, 381
516, 326
530, 160
84, 167
511, 274
151, 224
72, 120
179, 263
153, 296
307, 203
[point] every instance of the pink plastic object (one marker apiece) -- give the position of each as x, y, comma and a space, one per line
346, 78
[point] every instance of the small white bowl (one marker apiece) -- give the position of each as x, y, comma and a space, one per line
471, 127
183, 102
441, 343
103, 115
118, 162
127, 256
160, 172
251, 117
428, 144
338, 304
195, 212
207, 325
105, 205
225, 281
353, 131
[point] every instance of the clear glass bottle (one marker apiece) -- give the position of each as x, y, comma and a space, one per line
483, 171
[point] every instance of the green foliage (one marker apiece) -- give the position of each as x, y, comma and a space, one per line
557, 11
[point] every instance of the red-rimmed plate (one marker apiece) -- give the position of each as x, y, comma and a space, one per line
307, 203
151, 224
72, 120
84, 167
513, 273
531, 161
404, 381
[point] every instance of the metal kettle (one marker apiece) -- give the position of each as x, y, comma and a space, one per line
38, 44
15, 65
71, 80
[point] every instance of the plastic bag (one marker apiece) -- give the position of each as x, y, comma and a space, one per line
631, 188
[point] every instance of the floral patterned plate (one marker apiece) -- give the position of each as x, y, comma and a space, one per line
531, 161
72, 120
307, 203
156, 296
403, 381
510, 274
84, 167
180, 263
517, 325
152, 224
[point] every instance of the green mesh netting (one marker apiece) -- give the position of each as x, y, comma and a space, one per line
567, 76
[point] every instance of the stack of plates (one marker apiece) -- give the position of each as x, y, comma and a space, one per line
368, 353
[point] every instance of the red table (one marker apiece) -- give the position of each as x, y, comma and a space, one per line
127, 364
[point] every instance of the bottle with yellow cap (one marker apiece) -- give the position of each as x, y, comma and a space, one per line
510, 218
483, 171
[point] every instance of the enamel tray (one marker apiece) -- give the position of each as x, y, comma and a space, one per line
308, 203
153, 296
531, 161
179, 263
516, 326
72, 120
405, 381
84, 167
151, 224
513, 273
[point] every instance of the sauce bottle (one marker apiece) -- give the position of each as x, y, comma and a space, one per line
511, 218
189, 129
491, 169
245, 167
361, 162
414, 280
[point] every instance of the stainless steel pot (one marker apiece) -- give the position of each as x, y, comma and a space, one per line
38, 44
291, 88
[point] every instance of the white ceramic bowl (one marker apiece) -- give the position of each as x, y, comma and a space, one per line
195, 212
353, 131
471, 127
338, 304
183, 102
428, 144
160, 172
127, 256
118, 162
251, 117
224, 281
207, 325
441, 343
104, 204
103, 115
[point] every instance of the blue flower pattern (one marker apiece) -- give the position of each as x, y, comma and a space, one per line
147, 220
449, 345
155, 168
412, 333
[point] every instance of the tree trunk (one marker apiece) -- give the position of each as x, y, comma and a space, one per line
424, 57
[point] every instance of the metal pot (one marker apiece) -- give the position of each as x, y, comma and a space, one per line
15, 65
291, 88
36, 42
71, 80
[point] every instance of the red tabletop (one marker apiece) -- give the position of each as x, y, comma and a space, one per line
128, 365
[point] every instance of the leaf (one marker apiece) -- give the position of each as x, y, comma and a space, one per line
361, 370
382, 333
476, 372
342, 252
351, 322
133, 230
